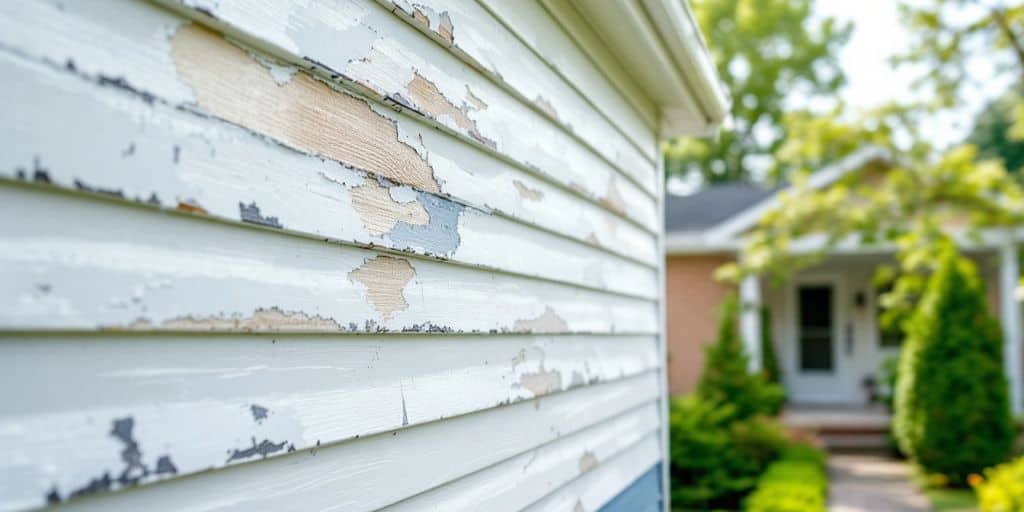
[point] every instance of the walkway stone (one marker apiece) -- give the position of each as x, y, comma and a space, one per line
872, 483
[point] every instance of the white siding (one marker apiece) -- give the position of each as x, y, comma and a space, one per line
322, 255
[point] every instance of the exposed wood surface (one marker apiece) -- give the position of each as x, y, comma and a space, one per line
198, 165
396, 62
336, 255
91, 264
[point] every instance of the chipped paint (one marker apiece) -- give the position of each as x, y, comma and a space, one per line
251, 213
588, 461
541, 382
385, 278
263, 449
548, 321
613, 199
579, 507
263, 319
474, 101
429, 99
380, 212
519, 359
190, 207
259, 413
530, 194
546, 107
439, 236
304, 113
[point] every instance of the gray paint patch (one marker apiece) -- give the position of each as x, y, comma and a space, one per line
440, 236
164, 466
259, 413
263, 448
251, 213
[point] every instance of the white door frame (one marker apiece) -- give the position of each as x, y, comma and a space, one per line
838, 386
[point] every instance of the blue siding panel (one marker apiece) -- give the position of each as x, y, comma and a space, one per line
643, 495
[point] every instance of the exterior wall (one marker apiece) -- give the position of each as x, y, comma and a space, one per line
345, 255
692, 300
849, 275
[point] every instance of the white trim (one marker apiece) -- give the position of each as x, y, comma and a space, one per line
663, 349
667, 58
750, 320
797, 380
1010, 320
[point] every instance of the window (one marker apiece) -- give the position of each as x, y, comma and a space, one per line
815, 310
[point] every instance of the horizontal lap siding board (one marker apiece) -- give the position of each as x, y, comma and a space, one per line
372, 472
470, 177
197, 401
391, 60
88, 264
344, 255
199, 165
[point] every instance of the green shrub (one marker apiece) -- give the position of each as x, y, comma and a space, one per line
952, 414
726, 378
1002, 488
794, 483
889, 373
715, 459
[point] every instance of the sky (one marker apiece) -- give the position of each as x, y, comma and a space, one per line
878, 34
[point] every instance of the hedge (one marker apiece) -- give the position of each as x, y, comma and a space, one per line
1002, 488
795, 483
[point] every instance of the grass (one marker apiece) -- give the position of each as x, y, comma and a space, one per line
951, 500
945, 499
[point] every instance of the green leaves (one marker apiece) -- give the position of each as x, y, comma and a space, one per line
762, 50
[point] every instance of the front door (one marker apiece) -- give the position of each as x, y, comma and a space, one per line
820, 362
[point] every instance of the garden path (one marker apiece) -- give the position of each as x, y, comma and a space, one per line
872, 483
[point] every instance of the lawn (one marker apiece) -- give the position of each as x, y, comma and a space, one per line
951, 500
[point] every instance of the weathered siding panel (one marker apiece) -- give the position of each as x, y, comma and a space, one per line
335, 255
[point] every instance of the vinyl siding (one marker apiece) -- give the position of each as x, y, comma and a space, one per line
339, 255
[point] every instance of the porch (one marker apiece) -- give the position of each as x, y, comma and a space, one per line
851, 428
830, 346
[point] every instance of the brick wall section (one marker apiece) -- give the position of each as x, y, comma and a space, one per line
692, 314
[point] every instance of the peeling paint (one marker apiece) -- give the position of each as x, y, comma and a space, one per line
430, 100
380, 212
259, 413
263, 449
190, 207
251, 213
592, 239
548, 321
304, 113
588, 461
439, 236
527, 193
546, 107
520, 358
385, 278
542, 381
613, 199
164, 466
263, 319
579, 507
474, 101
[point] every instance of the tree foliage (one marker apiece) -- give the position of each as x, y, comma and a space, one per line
992, 133
763, 50
952, 410
726, 378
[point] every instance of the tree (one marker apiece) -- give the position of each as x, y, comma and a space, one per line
952, 407
949, 34
992, 133
763, 50
726, 378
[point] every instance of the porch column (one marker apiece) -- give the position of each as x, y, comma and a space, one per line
1010, 318
750, 319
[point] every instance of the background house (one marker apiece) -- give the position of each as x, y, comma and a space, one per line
824, 320
338, 255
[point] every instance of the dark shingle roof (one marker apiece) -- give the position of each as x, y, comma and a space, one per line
711, 205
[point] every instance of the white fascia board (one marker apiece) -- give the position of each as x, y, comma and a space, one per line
734, 226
